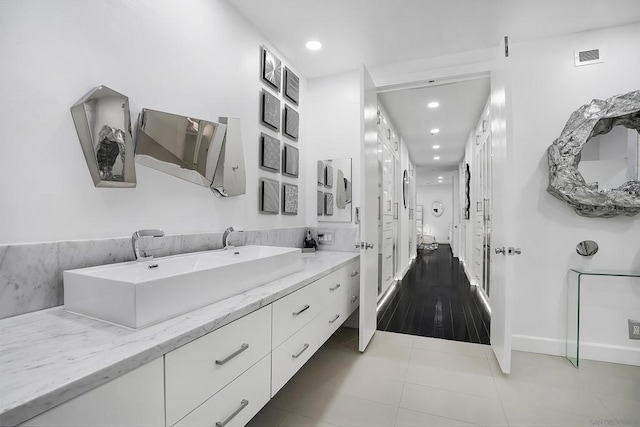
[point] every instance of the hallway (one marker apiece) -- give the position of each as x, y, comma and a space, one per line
436, 300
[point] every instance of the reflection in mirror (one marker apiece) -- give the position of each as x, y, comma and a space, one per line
343, 190
230, 178
611, 159
184, 147
405, 188
437, 208
103, 124
335, 201
587, 248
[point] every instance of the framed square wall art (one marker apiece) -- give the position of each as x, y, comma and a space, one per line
269, 153
289, 199
271, 68
270, 110
290, 123
269, 192
291, 86
290, 158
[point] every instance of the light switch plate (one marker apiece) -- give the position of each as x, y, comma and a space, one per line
326, 237
634, 329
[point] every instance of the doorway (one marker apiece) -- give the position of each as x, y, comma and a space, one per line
438, 297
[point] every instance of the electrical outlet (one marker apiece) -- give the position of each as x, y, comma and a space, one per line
634, 329
326, 237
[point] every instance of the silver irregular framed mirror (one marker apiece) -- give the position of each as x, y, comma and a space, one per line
606, 196
103, 124
182, 146
335, 201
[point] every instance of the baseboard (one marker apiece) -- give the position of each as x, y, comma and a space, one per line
466, 271
589, 351
542, 345
406, 268
610, 353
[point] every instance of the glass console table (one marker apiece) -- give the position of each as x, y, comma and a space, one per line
573, 315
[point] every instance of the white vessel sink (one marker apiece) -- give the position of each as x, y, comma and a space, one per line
137, 294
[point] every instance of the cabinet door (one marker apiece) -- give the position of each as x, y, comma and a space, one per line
133, 399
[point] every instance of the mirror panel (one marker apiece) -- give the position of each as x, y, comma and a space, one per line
611, 159
184, 147
335, 190
103, 124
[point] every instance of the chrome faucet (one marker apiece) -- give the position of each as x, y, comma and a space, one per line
140, 254
226, 241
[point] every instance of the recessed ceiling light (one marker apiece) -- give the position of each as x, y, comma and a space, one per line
434, 131
435, 147
439, 177
433, 104
314, 45
436, 158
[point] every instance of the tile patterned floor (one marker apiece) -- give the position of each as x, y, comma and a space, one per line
436, 300
403, 380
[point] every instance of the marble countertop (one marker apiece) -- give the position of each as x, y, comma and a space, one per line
50, 356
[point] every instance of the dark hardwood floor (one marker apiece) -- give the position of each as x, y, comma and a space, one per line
435, 299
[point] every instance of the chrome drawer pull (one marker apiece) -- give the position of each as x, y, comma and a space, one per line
354, 298
354, 273
295, 356
334, 319
302, 310
242, 348
335, 287
243, 404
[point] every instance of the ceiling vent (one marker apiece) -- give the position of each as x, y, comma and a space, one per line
587, 57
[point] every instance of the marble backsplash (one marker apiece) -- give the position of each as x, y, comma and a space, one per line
31, 274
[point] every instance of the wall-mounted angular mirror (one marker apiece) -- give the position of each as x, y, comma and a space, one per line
103, 124
230, 177
184, 147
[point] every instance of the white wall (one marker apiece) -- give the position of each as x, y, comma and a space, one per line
439, 225
333, 129
193, 57
545, 89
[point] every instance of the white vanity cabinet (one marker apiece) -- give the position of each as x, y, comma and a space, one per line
226, 376
334, 294
133, 399
201, 368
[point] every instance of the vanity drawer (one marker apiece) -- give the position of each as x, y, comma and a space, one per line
332, 317
133, 399
299, 308
238, 402
198, 370
292, 354
335, 284
353, 292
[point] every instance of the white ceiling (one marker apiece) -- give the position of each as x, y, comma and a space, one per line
379, 32
375, 32
460, 107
